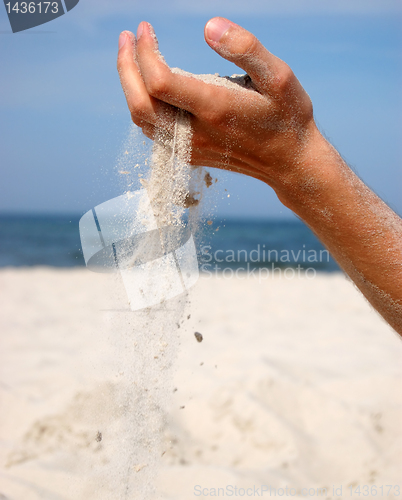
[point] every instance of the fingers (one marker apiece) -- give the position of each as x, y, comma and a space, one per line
239, 46
161, 83
153, 91
143, 107
149, 130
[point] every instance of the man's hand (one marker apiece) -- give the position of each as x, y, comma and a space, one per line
269, 133
261, 132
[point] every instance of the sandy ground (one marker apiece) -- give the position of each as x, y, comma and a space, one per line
296, 384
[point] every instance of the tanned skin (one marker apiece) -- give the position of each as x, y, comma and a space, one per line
269, 133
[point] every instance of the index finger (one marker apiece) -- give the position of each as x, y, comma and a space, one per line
143, 107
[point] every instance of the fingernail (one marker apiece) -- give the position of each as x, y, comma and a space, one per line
216, 28
122, 39
140, 31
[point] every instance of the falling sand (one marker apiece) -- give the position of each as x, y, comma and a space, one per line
150, 336
117, 428
149, 339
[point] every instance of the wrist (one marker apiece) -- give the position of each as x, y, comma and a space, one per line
311, 181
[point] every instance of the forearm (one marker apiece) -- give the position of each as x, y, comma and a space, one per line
362, 233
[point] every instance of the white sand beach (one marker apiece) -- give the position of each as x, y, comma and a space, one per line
296, 384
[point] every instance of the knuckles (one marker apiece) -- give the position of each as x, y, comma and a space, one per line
213, 117
138, 107
218, 114
284, 79
251, 44
137, 120
157, 82
244, 47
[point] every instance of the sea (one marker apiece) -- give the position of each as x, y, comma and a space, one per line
223, 245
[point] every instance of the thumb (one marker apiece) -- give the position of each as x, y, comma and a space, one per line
239, 46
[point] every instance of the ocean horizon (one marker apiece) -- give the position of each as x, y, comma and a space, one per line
39, 239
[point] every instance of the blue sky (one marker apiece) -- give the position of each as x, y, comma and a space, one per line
64, 118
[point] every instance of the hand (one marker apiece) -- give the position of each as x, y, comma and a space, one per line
268, 132
262, 133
